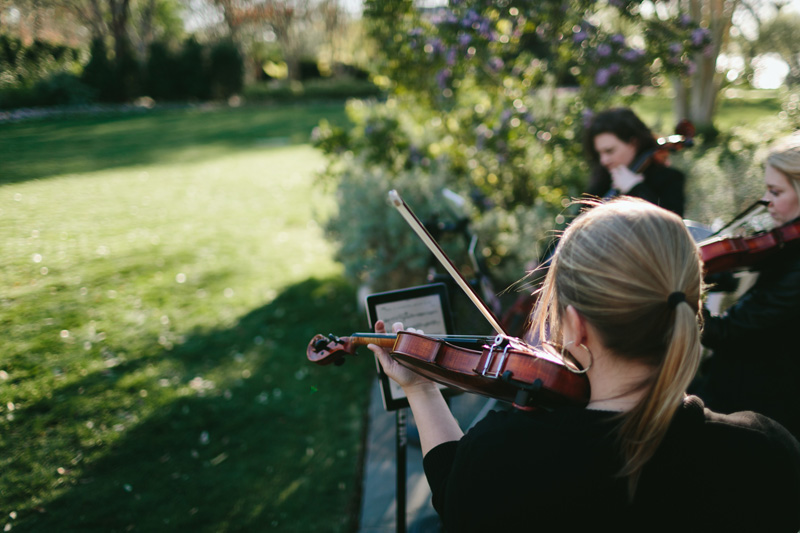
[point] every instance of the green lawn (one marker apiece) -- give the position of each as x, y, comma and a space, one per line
740, 109
161, 275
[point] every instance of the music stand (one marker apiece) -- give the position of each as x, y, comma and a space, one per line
427, 308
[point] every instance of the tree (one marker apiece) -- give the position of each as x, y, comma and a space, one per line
696, 98
299, 27
781, 35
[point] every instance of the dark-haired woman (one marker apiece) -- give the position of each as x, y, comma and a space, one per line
621, 302
614, 141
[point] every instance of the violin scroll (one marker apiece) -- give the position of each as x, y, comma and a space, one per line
325, 350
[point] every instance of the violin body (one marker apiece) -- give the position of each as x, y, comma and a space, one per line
736, 253
506, 369
682, 139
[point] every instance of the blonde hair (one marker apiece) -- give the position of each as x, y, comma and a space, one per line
784, 156
617, 264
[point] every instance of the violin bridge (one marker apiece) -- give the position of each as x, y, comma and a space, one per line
487, 360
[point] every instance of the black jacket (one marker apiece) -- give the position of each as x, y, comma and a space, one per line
557, 471
662, 186
755, 364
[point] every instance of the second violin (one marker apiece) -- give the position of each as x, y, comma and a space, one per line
728, 249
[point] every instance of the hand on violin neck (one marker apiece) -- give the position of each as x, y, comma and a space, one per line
624, 179
404, 377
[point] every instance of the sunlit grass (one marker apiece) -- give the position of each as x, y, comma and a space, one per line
159, 285
736, 109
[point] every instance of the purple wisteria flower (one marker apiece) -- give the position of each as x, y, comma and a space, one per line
700, 36
496, 64
484, 29
580, 36
587, 117
470, 18
676, 48
602, 77
632, 54
464, 39
451, 57
604, 50
443, 77
618, 39
436, 46
684, 20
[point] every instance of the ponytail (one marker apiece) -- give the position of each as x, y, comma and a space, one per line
633, 271
643, 428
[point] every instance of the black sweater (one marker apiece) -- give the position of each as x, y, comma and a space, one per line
556, 471
662, 186
755, 363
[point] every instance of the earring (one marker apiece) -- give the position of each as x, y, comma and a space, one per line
591, 358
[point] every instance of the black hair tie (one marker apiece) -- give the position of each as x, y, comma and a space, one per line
675, 298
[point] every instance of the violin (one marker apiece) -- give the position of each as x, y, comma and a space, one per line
500, 366
503, 367
723, 254
683, 138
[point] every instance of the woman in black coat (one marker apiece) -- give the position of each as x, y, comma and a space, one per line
614, 141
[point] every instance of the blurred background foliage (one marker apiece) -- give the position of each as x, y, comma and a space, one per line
489, 99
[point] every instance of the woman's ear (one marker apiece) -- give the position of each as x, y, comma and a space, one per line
575, 324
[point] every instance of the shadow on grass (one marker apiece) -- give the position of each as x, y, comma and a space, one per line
44, 148
274, 438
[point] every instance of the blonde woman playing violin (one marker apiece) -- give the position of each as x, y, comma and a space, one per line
755, 361
621, 302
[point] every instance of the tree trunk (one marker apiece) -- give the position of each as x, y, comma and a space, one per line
696, 97
146, 29
120, 13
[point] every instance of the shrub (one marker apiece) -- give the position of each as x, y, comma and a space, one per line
62, 88
162, 72
127, 75
193, 72
24, 66
308, 69
323, 89
99, 72
226, 70
406, 146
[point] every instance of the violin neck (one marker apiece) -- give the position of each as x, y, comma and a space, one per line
387, 340
384, 340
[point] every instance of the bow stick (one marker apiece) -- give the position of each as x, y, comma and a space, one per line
445, 261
